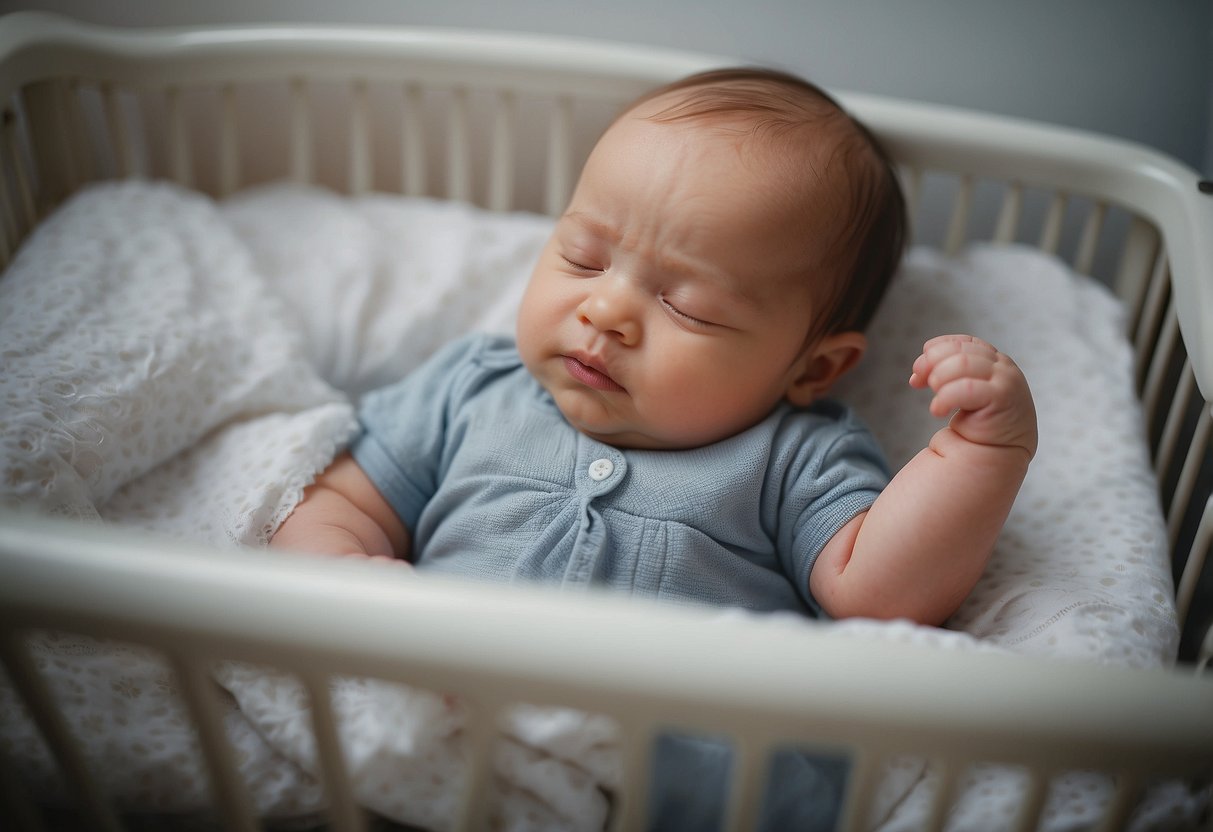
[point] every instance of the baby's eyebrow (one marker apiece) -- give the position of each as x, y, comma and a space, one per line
721, 281
595, 226
729, 285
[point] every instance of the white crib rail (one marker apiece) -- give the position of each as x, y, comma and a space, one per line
649, 667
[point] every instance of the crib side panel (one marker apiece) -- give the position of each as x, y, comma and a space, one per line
501, 121
490, 649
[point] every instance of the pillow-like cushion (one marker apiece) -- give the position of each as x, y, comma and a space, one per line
378, 283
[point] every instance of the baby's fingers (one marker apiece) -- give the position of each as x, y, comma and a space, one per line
946, 349
964, 393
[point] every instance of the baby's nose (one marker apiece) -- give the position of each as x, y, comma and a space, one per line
612, 310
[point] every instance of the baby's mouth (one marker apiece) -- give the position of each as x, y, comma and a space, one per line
590, 376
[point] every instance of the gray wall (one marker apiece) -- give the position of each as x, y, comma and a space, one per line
1135, 69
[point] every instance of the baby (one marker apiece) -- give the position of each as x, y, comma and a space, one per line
660, 425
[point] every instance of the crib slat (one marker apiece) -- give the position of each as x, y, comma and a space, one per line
301, 133
229, 143
1164, 454
630, 805
228, 790
92, 807
1195, 456
1145, 340
1157, 372
459, 148
959, 222
179, 140
1009, 214
1033, 803
78, 140
944, 795
67, 157
1195, 564
71, 173
501, 153
1124, 801
41, 111
360, 141
124, 159
631, 810
412, 141
1050, 232
560, 148
745, 794
344, 812
1138, 258
480, 731
861, 785
1084, 255
11, 236
24, 193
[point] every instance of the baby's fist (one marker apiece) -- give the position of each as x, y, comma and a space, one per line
984, 388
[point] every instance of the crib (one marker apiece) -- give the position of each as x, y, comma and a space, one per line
502, 122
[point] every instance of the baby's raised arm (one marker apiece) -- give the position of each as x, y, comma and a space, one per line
343, 513
919, 550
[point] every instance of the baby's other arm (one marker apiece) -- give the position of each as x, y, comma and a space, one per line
342, 513
921, 547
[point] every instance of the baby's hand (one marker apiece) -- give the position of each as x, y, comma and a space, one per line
374, 558
987, 391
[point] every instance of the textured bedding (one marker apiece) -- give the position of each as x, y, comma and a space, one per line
187, 367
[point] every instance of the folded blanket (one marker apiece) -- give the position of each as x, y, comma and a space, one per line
187, 367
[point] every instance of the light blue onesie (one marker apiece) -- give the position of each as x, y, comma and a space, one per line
493, 483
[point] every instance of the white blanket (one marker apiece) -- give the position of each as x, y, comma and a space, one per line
188, 367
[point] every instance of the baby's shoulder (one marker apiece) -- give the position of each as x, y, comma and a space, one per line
492, 351
823, 419
815, 436
474, 354
460, 369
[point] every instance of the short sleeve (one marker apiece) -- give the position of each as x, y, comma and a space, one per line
832, 469
404, 426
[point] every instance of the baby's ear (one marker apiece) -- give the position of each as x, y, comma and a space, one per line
823, 364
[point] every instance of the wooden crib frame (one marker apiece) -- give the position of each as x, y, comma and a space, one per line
504, 121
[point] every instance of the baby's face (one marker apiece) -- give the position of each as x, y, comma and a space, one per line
668, 309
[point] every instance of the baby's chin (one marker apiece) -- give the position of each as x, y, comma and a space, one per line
633, 437
625, 436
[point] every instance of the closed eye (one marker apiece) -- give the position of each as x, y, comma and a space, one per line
678, 313
581, 267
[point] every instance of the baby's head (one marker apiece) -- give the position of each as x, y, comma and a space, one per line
729, 238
